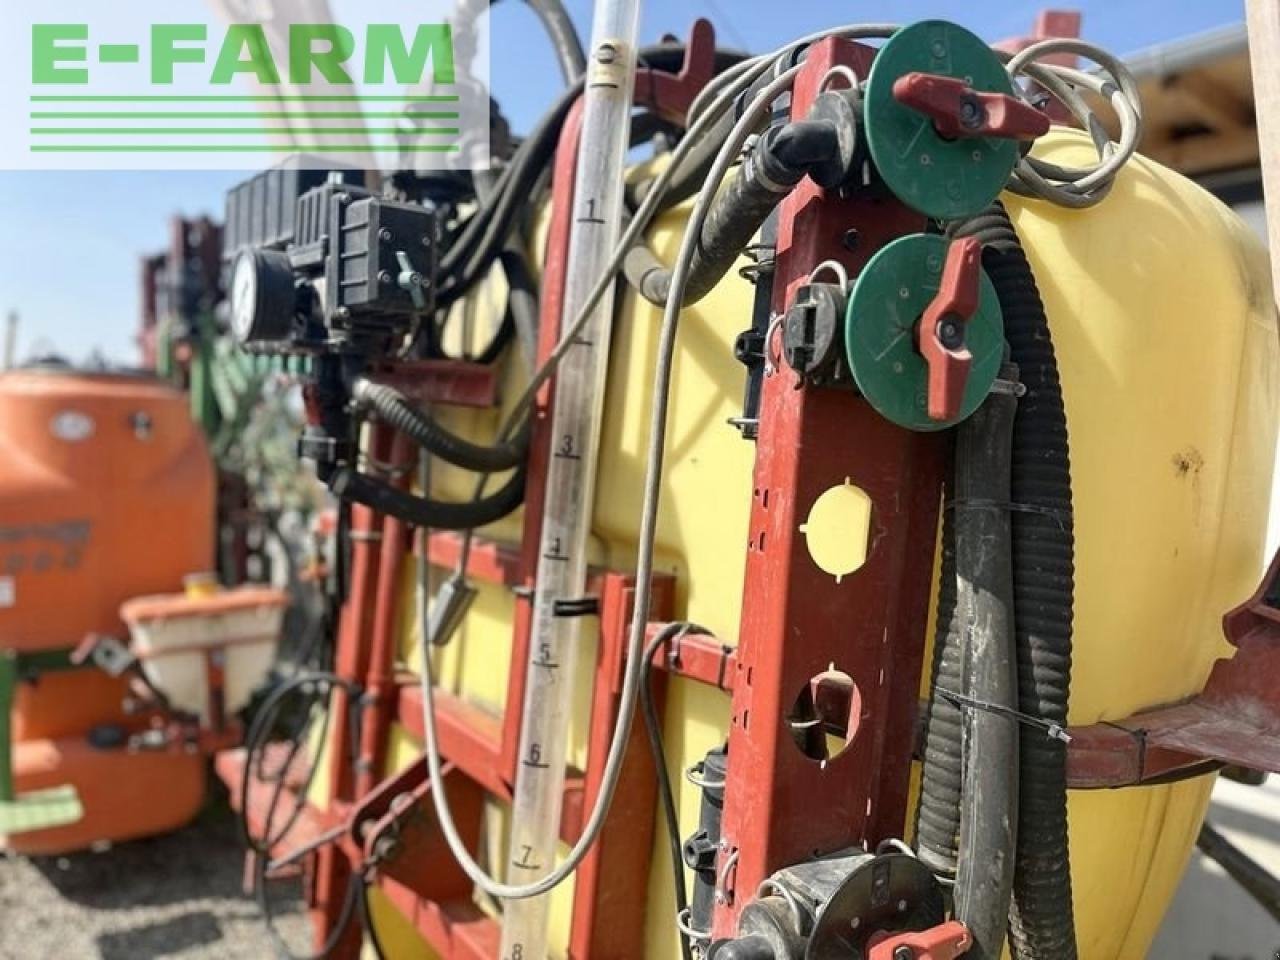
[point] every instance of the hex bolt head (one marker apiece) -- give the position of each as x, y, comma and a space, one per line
972, 114
385, 235
951, 333
904, 953
384, 277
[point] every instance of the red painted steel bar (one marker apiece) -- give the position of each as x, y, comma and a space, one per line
1235, 719
613, 882
332, 871
696, 656
797, 621
380, 689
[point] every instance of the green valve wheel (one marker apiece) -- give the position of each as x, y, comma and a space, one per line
945, 177
888, 301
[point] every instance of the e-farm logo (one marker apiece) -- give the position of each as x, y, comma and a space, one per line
326, 49
208, 92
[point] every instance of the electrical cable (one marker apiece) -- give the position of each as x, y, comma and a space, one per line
1079, 186
255, 743
653, 732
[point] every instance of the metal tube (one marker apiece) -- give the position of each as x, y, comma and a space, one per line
570, 491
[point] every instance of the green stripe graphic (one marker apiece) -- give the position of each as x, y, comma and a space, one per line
230, 131
46, 98
306, 115
240, 148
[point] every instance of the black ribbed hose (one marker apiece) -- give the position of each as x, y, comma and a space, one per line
938, 813
394, 409
1041, 919
779, 161
416, 511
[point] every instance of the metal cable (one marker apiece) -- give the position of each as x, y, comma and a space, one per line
1079, 186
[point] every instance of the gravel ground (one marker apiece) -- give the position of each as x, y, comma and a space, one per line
176, 896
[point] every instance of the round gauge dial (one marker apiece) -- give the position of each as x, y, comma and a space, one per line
263, 297
244, 296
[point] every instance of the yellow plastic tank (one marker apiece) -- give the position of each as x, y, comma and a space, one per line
1161, 308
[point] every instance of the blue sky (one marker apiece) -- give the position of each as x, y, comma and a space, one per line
70, 242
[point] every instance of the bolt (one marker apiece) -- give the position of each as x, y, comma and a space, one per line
606, 53
902, 906
384, 235
951, 333
939, 48
384, 276
850, 239
904, 953
342, 313
971, 114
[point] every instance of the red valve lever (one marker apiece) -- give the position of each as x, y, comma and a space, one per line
940, 336
957, 110
945, 942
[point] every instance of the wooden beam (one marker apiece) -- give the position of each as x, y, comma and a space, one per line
1264, 53
1217, 105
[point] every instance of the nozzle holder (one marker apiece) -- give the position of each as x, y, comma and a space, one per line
945, 170
893, 293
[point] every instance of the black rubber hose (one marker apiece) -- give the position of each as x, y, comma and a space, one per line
938, 812
657, 749
424, 512
989, 737
482, 239
394, 409
1041, 921
779, 161
563, 35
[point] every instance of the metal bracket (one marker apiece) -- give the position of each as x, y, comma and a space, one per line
1235, 719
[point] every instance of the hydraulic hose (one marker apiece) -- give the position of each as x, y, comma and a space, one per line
482, 239
394, 409
1041, 920
779, 161
988, 692
938, 813
418, 511
563, 35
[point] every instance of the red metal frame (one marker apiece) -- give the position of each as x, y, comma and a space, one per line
384, 821
802, 632
797, 620
1236, 719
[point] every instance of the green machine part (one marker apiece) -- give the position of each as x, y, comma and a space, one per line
942, 178
891, 293
36, 809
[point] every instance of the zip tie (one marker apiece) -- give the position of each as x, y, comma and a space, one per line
1063, 517
1012, 388
1053, 730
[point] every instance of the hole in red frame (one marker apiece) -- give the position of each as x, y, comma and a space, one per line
824, 717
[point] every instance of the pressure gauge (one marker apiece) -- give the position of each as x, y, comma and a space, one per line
263, 297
